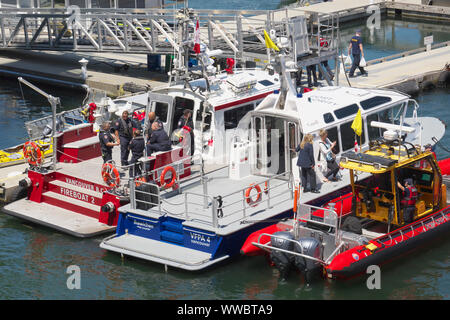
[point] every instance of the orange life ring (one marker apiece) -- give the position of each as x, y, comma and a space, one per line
32, 152
162, 179
249, 199
110, 175
140, 180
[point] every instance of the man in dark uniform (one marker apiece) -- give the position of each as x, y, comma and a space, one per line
186, 123
152, 117
159, 140
107, 141
124, 133
356, 48
136, 147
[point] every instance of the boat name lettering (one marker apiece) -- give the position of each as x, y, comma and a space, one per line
143, 225
200, 239
77, 195
84, 185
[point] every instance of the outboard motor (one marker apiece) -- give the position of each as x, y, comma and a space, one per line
313, 248
47, 132
282, 260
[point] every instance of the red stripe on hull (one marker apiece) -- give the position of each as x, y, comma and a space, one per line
70, 206
238, 102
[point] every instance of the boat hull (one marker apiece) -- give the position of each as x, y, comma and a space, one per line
355, 261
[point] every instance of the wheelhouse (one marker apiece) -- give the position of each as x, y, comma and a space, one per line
379, 197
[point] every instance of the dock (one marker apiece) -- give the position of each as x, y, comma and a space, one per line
117, 58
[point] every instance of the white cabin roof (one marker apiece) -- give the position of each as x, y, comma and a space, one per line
311, 107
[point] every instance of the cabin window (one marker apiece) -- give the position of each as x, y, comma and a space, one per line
328, 117
180, 105
161, 109
266, 83
372, 131
348, 136
333, 136
258, 133
373, 102
346, 111
198, 118
292, 139
232, 117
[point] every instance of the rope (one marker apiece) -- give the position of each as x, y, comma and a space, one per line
438, 143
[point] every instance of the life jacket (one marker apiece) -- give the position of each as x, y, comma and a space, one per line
411, 199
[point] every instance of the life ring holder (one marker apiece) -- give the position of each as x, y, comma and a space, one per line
33, 153
110, 175
253, 202
162, 178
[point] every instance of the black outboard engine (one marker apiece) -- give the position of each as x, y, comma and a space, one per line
313, 248
282, 260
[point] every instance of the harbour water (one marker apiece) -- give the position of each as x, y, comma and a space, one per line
34, 259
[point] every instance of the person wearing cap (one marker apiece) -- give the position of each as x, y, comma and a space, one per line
107, 141
185, 122
356, 49
123, 130
409, 198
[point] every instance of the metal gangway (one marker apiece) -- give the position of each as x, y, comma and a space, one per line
239, 34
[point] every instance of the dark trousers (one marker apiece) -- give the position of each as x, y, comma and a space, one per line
356, 61
408, 213
308, 175
333, 169
311, 70
136, 169
124, 152
328, 69
107, 156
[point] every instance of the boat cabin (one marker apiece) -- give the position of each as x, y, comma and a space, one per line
217, 106
277, 127
389, 163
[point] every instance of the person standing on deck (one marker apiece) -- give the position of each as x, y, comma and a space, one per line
186, 123
124, 133
136, 146
306, 164
107, 142
356, 49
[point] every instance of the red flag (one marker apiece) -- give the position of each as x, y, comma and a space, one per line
197, 39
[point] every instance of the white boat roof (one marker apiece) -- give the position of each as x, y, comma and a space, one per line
312, 107
226, 89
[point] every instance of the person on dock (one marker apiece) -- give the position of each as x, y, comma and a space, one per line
356, 49
136, 146
326, 152
107, 142
124, 133
186, 123
408, 201
306, 164
159, 140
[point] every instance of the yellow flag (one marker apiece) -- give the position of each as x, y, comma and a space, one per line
357, 123
269, 42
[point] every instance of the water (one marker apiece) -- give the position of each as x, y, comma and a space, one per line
33, 259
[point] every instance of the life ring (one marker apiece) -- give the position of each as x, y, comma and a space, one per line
162, 179
139, 181
32, 152
249, 199
110, 175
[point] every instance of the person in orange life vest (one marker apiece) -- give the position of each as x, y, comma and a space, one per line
408, 202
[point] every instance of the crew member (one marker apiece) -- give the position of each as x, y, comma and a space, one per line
408, 201
159, 140
152, 117
186, 123
124, 133
356, 48
107, 142
136, 147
